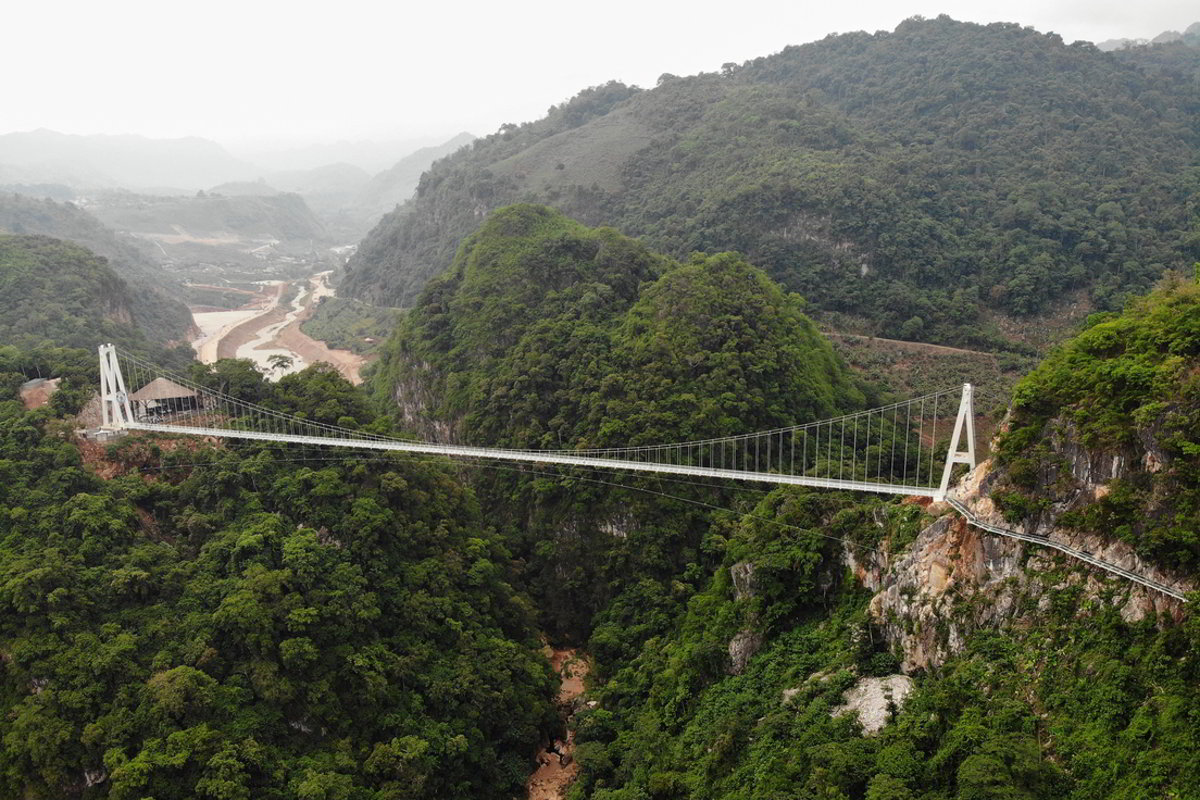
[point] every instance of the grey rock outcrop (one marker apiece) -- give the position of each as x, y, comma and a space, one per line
872, 700
742, 647
742, 574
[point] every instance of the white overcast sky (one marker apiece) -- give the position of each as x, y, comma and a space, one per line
302, 71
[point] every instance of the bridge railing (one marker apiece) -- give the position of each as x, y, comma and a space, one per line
907, 447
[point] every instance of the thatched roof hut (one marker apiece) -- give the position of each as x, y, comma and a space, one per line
161, 389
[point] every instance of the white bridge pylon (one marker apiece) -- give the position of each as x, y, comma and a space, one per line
897, 449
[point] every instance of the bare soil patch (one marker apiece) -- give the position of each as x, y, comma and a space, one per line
313, 350
246, 331
37, 393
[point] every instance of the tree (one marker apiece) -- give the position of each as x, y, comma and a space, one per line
279, 363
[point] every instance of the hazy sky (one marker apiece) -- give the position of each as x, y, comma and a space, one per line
318, 71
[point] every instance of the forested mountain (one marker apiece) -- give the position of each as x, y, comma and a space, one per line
57, 294
545, 333
922, 178
548, 334
162, 317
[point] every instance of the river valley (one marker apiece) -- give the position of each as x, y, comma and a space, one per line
267, 328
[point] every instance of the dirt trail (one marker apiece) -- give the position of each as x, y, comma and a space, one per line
553, 777
923, 347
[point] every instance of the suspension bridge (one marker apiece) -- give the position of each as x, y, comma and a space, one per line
909, 448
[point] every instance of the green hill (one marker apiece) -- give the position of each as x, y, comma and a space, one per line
937, 179
162, 317
548, 334
58, 294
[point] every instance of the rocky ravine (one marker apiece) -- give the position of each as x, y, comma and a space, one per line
557, 768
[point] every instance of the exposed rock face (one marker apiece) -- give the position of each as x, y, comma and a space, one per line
873, 700
415, 400
744, 585
618, 525
955, 578
919, 605
1091, 472
742, 648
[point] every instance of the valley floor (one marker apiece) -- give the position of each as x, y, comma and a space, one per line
268, 326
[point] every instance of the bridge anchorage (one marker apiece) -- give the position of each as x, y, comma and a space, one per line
896, 449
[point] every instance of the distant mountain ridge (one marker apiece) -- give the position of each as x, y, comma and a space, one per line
131, 161
348, 198
280, 216
1190, 36
933, 183
397, 184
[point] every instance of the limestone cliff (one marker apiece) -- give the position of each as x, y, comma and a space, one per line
955, 578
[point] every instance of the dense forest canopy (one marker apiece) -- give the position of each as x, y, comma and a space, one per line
916, 180
247, 621
234, 623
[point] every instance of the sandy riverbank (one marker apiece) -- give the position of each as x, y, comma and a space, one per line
215, 326
267, 327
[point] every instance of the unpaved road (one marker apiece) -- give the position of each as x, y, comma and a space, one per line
552, 778
923, 347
